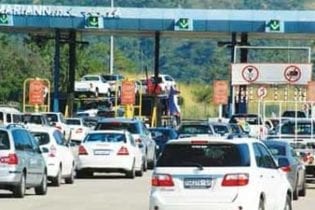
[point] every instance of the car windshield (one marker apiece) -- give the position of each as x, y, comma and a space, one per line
105, 137
298, 128
4, 140
41, 137
211, 155
32, 119
195, 129
221, 129
110, 77
91, 78
131, 127
276, 149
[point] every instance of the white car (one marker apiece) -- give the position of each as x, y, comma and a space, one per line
110, 152
200, 173
166, 82
91, 83
57, 120
78, 128
58, 156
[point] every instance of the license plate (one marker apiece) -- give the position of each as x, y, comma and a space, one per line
197, 183
101, 152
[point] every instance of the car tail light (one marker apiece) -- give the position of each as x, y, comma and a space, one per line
82, 150
162, 180
286, 169
52, 151
234, 180
79, 130
123, 151
11, 159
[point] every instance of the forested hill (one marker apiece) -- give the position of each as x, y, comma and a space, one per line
187, 60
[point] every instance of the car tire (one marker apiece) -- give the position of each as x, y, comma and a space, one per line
132, 173
140, 172
145, 165
70, 179
295, 195
152, 162
19, 190
261, 204
56, 181
42, 188
288, 203
302, 192
84, 174
97, 93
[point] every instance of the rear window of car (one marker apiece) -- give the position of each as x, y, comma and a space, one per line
195, 129
298, 114
73, 122
32, 119
4, 140
277, 149
298, 128
220, 129
133, 128
52, 117
105, 137
250, 119
208, 155
41, 138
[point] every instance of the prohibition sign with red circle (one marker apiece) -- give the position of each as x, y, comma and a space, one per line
292, 73
250, 73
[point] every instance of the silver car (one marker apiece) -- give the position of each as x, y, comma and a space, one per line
22, 165
290, 163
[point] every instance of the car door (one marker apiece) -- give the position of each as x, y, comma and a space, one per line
64, 152
38, 158
298, 166
270, 176
150, 142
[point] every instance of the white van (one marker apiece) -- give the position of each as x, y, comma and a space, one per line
10, 115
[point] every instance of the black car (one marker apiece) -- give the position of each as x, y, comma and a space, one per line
161, 135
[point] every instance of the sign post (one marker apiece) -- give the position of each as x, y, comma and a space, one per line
220, 94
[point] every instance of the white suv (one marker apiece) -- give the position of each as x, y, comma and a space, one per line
58, 155
165, 82
204, 173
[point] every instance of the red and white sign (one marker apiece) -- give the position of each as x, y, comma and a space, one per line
292, 73
250, 73
128, 96
36, 92
262, 92
264, 73
220, 92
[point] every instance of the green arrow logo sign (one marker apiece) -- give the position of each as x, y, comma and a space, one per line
274, 25
4, 19
92, 22
183, 23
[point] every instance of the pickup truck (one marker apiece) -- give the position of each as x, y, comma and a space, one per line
94, 84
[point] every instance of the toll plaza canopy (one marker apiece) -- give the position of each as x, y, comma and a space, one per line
16, 16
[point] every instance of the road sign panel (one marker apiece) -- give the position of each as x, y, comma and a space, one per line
183, 24
36, 92
128, 89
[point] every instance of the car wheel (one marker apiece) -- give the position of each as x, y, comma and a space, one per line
132, 173
288, 203
302, 192
42, 188
19, 190
145, 164
140, 172
152, 162
70, 179
261, 204
295, 192
97, 92
56, 181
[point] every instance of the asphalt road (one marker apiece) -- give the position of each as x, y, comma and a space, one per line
104, 192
